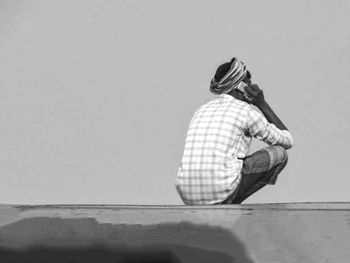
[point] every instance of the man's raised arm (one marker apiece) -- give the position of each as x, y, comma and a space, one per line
272, 136
259, 101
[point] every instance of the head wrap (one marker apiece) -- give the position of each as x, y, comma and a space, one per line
231, 80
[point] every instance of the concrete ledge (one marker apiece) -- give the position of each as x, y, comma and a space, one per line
279, 206
289, 232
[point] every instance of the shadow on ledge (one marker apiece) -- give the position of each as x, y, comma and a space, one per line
101, 254
84, 240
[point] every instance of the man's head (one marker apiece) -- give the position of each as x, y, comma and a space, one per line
228, 76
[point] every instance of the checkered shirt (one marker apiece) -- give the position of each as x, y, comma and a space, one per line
218, 138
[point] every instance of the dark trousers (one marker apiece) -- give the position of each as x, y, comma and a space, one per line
259, 169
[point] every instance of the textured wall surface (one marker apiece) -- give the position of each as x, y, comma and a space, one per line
304, 232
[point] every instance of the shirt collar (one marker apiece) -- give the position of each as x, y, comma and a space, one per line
231, 98
226, 96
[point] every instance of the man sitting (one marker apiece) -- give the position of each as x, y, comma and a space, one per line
215, 168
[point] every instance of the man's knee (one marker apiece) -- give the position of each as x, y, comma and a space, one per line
285, 155
278, 155
265, 159
282, 159
279, 159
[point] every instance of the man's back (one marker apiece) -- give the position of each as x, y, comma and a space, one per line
216, 142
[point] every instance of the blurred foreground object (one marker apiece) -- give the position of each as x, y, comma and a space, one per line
300, 232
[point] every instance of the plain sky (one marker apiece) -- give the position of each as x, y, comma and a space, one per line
96, 96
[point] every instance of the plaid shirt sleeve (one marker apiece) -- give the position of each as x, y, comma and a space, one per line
260, 128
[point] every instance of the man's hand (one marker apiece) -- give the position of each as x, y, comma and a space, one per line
258, 99
256, 94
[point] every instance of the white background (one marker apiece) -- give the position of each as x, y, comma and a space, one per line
96, 96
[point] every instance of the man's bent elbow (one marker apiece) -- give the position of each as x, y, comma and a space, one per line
287, 146
288, 142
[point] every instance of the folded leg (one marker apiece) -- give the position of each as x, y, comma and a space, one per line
259, 169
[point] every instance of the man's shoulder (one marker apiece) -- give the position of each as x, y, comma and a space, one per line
225, 102
240, 106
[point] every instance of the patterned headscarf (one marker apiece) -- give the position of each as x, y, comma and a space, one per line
231, 80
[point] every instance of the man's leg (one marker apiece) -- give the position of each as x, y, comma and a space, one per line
259, 169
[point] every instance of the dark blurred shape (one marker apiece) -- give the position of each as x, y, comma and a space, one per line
85, 240
101, 254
